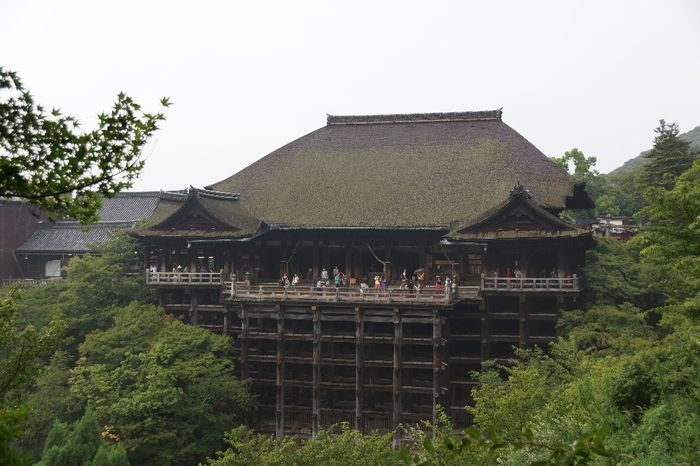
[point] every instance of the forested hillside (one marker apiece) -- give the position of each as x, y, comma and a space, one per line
92, 373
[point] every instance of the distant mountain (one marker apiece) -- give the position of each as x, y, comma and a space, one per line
692, 136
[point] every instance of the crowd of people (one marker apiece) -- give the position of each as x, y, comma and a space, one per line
338, 279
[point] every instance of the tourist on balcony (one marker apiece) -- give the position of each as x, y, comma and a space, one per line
382, 282
295, 279
438, 284
377, 282
337, 279
335, 271
516, 272
324, 276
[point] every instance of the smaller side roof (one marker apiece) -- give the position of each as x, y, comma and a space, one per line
202, 213
70, 237
519, 216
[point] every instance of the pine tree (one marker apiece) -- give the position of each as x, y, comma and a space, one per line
670, 157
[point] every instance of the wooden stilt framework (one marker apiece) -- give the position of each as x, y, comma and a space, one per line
396, 374
279, 385
316, 372
437, 363
359, 368
244, 342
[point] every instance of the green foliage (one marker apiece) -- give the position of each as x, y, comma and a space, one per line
670, 157
670, 255
577, 161
167, 387
613, 272
85, 445
339, 446
21, 350
47, 160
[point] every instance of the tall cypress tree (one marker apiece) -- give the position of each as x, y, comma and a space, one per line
670, 157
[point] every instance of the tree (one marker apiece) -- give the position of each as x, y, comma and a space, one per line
86, 444
583, 167
168, 388
21, 350
669, 157
46, 159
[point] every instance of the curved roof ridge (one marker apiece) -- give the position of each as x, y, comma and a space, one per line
414, 117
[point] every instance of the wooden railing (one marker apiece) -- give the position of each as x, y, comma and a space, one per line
26, 282
331, 294
184, 278
529, 284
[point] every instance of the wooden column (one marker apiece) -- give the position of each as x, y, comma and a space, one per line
316, 262
279, 385
348, 260
193, 309
522, 314
437, 362
396, 379
244, 342
225, 328
359, 368
316, 376
484, 330
387, 262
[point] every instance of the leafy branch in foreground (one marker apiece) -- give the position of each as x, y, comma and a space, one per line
450, 449
47, 160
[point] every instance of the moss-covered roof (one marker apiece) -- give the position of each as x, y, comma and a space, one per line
200, 214
416, 170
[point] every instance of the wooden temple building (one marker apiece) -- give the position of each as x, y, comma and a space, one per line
457, 196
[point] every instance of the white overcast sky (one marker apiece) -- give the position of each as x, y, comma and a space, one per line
247, 77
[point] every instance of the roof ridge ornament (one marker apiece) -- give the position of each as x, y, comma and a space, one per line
519, 191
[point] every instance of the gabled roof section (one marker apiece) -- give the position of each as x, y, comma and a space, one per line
397, 171
518, 217
119, 213
201, 213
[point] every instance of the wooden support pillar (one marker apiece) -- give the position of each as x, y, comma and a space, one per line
437, 362
396, 376
522, 314
193, 309
316, 376
484, 330
244, 342
348, 260
387, 262
359, 368
279, 383
226, 319
315, 262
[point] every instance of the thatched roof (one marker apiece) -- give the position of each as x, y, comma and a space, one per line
397, 171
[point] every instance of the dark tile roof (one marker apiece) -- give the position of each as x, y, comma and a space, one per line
397, 171
129, 207
70, 237
119, 213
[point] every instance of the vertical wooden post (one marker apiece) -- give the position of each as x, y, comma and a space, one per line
484, 330
193, 309
387, 262
348, 260
522, 314
225, 328
244, 342
316, 263
359, 368
279, 385
396, 379
316, 375
437, 362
